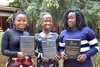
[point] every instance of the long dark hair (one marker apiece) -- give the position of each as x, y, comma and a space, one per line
80, 21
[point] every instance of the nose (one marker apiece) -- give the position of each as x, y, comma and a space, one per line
69, 20
21, 22
48, 22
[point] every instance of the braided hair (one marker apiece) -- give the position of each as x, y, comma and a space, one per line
80, 21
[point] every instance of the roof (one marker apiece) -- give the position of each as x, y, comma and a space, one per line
6, 8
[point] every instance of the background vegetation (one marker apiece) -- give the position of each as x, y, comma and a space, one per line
90, 8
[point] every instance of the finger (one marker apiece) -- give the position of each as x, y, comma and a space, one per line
43, 59
25, 54
33, 56
47, 59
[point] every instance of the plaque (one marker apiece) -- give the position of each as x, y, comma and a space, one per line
72, 48
27, 45
49, 48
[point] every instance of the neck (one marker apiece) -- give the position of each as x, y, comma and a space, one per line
74, 28
46, 31
19, 29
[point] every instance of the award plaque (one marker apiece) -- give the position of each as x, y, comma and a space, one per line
49, 48
27, 45
72, 48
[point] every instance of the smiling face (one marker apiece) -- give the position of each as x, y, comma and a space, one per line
20, 21
72, 20
46, 22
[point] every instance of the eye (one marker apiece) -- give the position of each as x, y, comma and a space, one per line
24, 20
19, 20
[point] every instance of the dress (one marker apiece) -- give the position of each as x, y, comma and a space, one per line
89, 45
39, 39
11, 46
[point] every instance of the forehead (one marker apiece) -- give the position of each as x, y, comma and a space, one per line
47, 17
21, 15
71, 14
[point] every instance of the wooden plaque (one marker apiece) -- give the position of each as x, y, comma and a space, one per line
49, 49
27, 45
72, 48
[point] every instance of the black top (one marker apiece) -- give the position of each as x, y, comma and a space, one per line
39, 40
10, 42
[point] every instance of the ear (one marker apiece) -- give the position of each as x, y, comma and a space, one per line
41, 23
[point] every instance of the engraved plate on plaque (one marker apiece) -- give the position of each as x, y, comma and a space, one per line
27, 45
72, 48
49, 48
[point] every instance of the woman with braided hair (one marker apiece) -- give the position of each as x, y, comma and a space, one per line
75, 28
11, 43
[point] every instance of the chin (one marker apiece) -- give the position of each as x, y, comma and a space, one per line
47, 28
21, 28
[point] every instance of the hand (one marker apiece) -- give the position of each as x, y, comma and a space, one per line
20, 55
63, 56
33, 56
81, 58
57, 57
44, 59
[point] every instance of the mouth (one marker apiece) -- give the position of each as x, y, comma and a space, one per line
69, 24
22, 25
48, 26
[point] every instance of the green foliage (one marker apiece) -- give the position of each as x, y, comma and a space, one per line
90, 8
92, 15
16, 3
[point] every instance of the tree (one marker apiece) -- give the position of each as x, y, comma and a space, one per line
57, 8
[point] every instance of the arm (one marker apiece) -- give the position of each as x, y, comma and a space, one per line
5, 46
92, 41
62, 47
61, 43
37, 54
93, 44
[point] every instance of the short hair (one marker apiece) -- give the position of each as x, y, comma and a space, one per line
44, 13
80, 21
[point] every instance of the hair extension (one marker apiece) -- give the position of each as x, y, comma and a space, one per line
80, 21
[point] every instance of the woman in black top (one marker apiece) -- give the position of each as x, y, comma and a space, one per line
45, 35
11, 42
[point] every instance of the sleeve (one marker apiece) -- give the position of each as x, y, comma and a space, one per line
5, 46
93, 43
61, 43
37, 54
57, 42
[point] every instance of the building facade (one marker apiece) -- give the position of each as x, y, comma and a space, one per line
5, 12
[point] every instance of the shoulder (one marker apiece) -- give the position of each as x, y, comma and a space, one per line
87, 29
63, 32
37, 35
8, 31
54, 34
25, 32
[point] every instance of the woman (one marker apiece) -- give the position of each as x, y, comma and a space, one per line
11, 42
75, 28
45, 35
